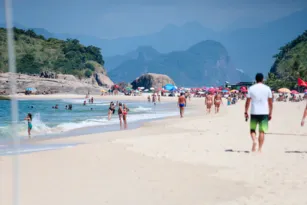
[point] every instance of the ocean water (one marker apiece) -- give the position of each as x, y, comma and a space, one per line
48, 122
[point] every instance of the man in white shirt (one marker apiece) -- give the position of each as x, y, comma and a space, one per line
260, 96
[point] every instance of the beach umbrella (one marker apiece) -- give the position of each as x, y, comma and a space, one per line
128, 88
169, 87
294, 92
211, 90
30, 89
284, 90
146, 90
225, 91
234, 91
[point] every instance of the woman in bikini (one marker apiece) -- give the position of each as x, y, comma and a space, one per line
209, 102
125, 112
120, 113
217, 102
29, 119
111, 110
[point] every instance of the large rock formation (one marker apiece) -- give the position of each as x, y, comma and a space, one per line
152, 80
63, 84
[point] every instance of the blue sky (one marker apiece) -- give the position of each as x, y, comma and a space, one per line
119, 18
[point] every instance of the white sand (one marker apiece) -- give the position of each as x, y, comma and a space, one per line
171, 162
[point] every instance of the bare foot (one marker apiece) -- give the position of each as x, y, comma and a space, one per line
254, 147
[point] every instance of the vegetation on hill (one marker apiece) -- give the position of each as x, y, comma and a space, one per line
34, 54
290, 64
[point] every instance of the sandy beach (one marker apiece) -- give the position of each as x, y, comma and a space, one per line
198, 160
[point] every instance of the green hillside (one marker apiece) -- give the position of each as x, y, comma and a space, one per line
34, 54
290, 64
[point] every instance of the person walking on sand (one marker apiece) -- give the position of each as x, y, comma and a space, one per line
217, 102
125, 112
209, 102
304, 116
29, 119
149, 99
181, 104
260, 97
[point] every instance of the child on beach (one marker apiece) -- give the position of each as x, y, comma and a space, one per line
29, 119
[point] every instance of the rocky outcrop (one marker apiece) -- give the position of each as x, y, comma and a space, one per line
103, 80
48, 74
150, 80
63, 84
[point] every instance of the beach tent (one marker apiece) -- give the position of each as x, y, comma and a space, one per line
284, 90
169, 87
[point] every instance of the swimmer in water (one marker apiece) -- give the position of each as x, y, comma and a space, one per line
111, 110
29, 119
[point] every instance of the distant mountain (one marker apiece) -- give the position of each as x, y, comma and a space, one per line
252, 49
205, 63
148, 52
15, 24
170, 38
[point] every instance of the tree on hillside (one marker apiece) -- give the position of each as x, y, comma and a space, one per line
290, 64
27, 64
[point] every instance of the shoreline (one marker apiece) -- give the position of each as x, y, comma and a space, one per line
100, 129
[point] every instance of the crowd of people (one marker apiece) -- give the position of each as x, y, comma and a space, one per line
259, 97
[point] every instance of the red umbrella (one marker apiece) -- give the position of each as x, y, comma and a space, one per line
294, 92
211, 90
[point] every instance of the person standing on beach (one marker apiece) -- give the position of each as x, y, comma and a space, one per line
149, 99
209, 102
120, 114
304, 116
125, 113
217, 101
154, 98
260, 96
181, 104
29, 119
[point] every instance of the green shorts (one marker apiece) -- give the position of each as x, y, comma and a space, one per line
261, 120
